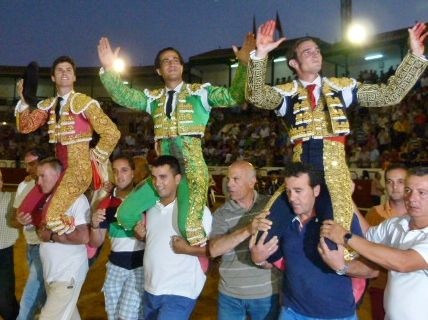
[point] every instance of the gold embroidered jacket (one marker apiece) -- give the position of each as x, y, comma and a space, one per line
337, 94
79, 117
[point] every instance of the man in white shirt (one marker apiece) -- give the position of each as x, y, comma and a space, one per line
400, 245
172, 271
64, 257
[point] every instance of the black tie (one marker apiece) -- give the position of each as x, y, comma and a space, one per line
58, 108
169, 103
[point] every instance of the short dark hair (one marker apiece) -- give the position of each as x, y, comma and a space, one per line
394, 166
418, 171
157, 59
126, 158
296, 169
62, 59
54, 163
167, 160
36, 152
291, 54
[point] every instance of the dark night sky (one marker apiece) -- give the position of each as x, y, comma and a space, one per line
44, 29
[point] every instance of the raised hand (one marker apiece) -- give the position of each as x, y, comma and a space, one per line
243, 54
20, 89
106, 54
417, 36
265, 41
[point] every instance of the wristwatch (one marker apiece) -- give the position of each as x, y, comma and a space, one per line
347, 237
51, 239
344, 270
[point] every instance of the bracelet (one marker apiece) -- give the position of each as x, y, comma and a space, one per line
92, 227
260, 264
344, 270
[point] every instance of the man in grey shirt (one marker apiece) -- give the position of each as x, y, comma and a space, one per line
245, 289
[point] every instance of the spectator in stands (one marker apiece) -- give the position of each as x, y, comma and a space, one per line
376, 188
9, 307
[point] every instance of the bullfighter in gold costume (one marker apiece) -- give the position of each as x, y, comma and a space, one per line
318, 124
71, 118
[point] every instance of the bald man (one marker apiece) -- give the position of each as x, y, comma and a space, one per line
245, 289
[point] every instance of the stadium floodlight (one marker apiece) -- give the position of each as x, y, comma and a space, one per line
357, 34
373, 56
119, 65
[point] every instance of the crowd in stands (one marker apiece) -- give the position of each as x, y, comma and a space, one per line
379, 135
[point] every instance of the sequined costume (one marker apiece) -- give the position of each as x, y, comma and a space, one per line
179, 136
79, 117
319, 134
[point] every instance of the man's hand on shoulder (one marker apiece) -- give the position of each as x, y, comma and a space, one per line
261, 250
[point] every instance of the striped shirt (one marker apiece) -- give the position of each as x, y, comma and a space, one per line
239, 277
8, 235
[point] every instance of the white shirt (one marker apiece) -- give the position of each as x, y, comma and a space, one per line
167, 273
67, 262
406, 293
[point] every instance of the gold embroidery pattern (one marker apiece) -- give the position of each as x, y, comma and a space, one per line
297, 152
198, 178
76, 179
406, 75
339, 184
318, 123
107, 130
27, 121
259, 94
182, 120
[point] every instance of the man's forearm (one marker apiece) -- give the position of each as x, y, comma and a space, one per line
388, 257
79, 236
362, 268
225, 243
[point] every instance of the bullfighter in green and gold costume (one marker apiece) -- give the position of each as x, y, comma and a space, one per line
71, 118
318, 124
180, 112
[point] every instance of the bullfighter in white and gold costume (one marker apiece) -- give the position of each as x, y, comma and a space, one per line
180, 112
318, 124
71, 131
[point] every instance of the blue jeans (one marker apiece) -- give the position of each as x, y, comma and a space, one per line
34, 295
290, 314
230, 308
167, 307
